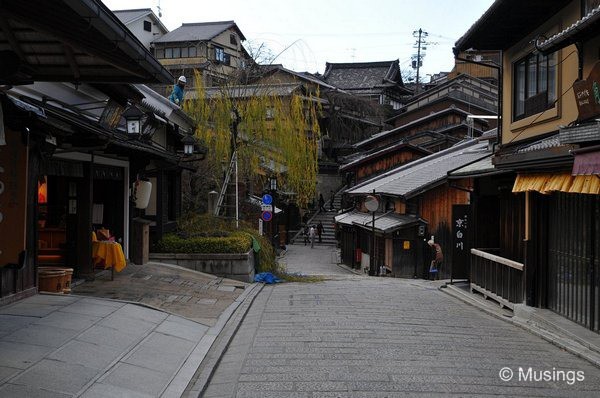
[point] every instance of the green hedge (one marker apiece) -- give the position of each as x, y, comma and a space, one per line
235, 243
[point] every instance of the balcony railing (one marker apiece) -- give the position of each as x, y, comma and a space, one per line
496, 277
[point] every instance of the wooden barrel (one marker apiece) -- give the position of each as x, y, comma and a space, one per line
68, 278
51, 280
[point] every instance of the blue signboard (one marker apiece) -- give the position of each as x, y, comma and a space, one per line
267, 199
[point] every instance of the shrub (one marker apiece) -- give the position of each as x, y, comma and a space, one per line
203, 233
235, 243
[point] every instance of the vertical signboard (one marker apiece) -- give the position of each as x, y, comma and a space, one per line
461, 247
13, 198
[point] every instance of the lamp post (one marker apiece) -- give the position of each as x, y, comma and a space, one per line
372, 204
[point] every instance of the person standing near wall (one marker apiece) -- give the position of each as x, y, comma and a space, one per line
437, 259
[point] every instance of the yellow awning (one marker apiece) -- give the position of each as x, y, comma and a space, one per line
562, 182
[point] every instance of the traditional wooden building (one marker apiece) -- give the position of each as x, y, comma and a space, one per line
381, 82
541, 216
378, 161
416, 202
441, 116
214, 48
44, 138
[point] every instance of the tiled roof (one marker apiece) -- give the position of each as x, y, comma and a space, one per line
545, 143
379, 152
384, 222
302, 75
365, 75
198, 32
583, 26
383, 134
280, 90
410, 179
480, 167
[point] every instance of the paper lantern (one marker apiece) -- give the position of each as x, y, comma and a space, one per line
141, 193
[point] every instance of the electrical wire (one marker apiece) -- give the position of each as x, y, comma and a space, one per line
555, 101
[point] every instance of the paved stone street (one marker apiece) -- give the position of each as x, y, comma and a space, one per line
194, 295
385, 337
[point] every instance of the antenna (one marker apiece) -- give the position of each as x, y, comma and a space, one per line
159, 9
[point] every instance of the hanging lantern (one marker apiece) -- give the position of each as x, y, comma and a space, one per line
141, 193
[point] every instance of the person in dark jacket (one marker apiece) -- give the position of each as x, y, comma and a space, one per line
320, 230
322, 203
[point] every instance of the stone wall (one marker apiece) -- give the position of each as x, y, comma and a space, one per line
234, 266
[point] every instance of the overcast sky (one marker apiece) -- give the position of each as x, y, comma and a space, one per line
306, 34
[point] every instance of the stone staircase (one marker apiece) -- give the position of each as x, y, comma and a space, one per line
326, 218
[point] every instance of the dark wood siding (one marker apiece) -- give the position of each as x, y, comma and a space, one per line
572, 257
435, 206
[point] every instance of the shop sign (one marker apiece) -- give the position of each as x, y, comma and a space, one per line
587, 94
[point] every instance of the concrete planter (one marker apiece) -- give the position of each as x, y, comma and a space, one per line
235, 266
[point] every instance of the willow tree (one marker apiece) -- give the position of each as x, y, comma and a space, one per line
278, 132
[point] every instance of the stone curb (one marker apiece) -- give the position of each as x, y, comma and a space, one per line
225, 330
560, 341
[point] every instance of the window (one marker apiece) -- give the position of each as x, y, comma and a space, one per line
159, 53
192, 51
219, 54
184, 52
176, 52
232, 39
534, 85
227, 59
168, 53
148, 26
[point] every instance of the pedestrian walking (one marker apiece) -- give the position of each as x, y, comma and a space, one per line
311, 234
322, 203
305, 234
320, 230
438, 257
331, 199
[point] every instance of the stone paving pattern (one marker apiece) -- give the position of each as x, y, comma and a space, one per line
194, 295
64, 346
362, 336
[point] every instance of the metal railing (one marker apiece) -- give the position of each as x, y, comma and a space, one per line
497, 277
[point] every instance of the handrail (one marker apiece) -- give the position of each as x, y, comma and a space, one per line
498, 259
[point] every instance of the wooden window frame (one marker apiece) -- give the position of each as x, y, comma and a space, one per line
538, 95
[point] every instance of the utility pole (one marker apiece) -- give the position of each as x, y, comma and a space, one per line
417, 60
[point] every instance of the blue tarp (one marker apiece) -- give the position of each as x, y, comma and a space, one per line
266, 277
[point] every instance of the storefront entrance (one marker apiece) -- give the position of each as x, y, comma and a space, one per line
573, 258
73, 200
